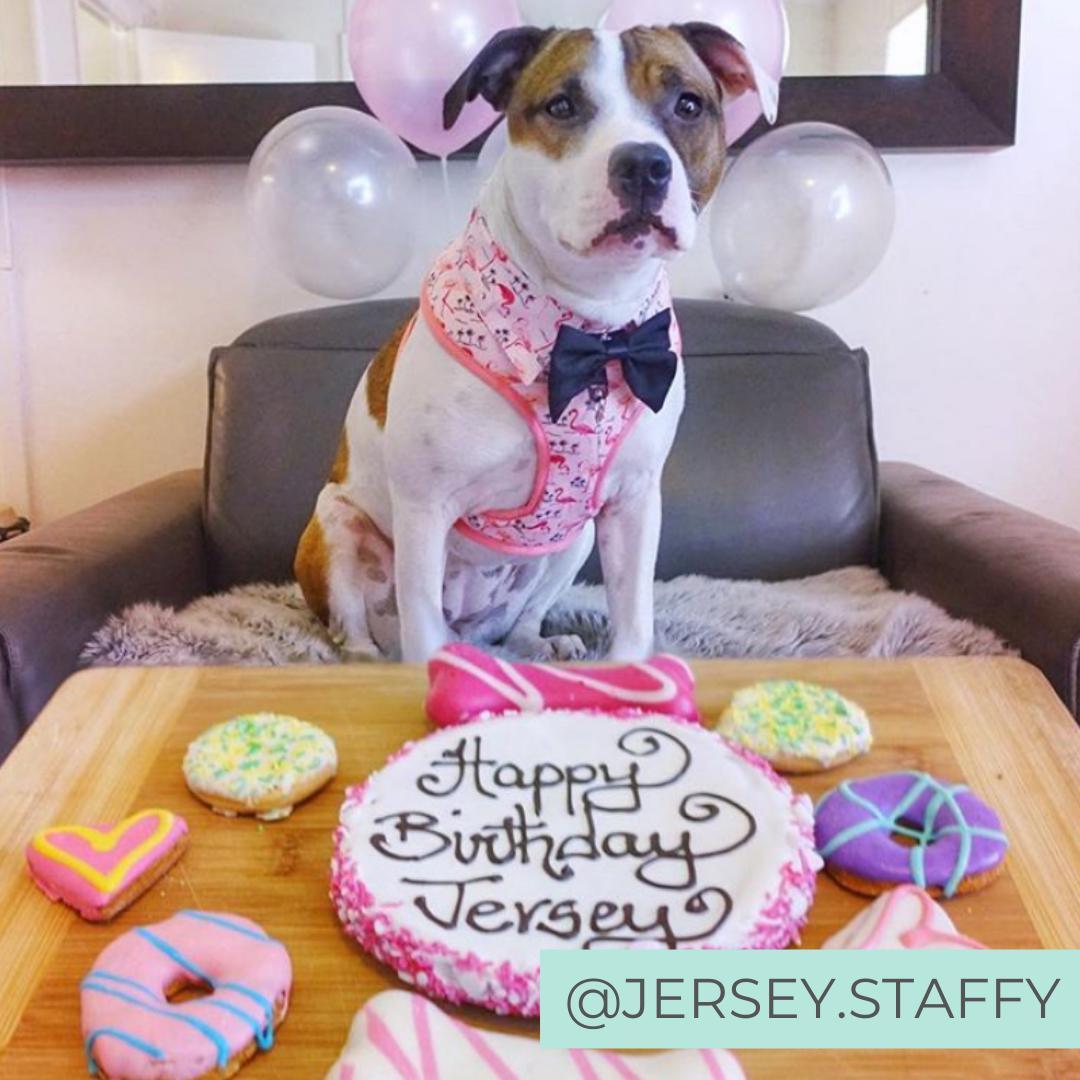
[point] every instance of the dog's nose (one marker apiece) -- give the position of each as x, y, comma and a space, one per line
639, 175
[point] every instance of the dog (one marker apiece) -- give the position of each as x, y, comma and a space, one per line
528, 408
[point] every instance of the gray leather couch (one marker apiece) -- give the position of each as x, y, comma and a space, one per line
774, 475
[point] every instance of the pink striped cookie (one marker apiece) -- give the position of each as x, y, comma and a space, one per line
401, 1036
469, 684
100, 870
905, 918
478, 846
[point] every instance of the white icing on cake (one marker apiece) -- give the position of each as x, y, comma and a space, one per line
479, 846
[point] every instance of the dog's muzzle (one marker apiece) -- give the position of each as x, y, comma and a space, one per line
639, 175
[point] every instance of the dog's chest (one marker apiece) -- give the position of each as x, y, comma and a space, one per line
483, 313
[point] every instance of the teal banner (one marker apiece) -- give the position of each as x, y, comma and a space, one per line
810, 999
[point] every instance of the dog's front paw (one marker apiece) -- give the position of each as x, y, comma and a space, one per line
354, 650
630, 652
354, 655
558, 647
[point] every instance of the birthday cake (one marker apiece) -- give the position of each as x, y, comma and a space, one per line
478, 846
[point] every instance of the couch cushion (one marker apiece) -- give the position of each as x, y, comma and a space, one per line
773, 474
278, 398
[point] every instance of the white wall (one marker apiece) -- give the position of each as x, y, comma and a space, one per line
854, 37
862, 36
18, 64
812, 24
316, 21
14, 481
126, 277
179, 56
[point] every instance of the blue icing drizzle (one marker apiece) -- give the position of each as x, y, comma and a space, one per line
228, 924
200, 1026
173, 954
108, 976
266, 1003
264, 1033
132, 1040
183, 961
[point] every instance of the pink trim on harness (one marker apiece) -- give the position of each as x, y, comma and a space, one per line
482, 309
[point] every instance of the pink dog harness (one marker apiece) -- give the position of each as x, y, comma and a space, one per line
484, 312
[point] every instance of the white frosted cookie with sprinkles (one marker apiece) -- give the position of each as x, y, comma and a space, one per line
261, 764
477, 847
796, 726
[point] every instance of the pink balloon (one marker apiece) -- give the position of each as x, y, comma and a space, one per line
406, 54
761, 26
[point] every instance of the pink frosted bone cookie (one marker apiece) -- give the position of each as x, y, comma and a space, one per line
401, 1036
467, 683
475, 848
133, 1031
906, 918
98, 870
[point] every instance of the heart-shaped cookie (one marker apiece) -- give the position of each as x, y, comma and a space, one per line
905, 918
99, 870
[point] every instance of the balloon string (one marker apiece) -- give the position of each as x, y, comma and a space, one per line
445, 163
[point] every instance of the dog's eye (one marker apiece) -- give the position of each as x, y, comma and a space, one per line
560, 108
689, 106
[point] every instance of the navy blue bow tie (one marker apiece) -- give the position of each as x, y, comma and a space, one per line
578, 360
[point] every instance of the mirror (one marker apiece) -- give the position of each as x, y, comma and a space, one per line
163, 42
859, 37
167, 80
170, 42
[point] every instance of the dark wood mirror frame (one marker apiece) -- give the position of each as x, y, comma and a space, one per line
967, 102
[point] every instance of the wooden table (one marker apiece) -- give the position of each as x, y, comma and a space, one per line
112, 742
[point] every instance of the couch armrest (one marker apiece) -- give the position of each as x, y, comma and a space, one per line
59, 583
985, 560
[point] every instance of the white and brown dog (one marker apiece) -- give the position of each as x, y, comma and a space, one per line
531, 403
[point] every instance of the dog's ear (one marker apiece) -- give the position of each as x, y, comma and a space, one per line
731, 65
494, 72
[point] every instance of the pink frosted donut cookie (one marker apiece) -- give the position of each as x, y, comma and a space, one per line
475, 848
132, 1031
468, 684
397, 1035
100, 870
906, 918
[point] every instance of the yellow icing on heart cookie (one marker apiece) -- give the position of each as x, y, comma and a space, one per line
107, 876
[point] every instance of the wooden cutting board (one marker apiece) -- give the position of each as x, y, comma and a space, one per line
111, 742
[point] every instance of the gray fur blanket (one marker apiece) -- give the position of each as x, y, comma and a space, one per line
849, 612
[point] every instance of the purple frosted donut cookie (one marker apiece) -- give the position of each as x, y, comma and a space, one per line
955, 843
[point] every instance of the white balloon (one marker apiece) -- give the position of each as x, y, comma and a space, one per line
803, 218
333, 193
